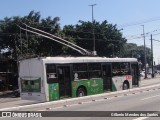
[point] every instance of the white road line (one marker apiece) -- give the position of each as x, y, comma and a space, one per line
150, 97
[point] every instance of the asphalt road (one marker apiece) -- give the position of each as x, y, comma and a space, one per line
145, 101
140, 101
10, 101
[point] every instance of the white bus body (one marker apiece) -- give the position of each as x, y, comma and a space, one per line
35, 69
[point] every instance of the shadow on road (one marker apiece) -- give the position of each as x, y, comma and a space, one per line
7, 94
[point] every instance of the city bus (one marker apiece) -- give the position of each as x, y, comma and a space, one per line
54, 78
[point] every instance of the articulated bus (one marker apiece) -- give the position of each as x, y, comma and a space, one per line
54, 78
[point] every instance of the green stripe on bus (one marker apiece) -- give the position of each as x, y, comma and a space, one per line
92, 86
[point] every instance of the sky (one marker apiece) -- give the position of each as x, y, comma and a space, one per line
129, 15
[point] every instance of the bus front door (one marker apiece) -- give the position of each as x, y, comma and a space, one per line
64, 78
107, 77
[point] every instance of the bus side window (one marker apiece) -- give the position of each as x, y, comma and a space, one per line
116, 71
60, 71
32, 82
26, 82
94, 70
125, 69
51, 73
80, 71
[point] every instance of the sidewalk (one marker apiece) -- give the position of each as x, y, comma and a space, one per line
6, 94
150, 81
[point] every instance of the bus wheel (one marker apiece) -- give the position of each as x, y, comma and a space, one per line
125, 86
81, 92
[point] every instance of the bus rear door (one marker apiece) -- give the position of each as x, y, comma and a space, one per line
107, 77
135, 74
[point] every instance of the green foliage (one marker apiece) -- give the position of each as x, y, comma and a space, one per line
132, 50
17, 42
109, 41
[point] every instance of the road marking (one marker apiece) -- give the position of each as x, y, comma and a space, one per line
85, 102
50, 108
150, 97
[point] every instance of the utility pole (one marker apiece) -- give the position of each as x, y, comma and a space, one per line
152, 55
113, 50
94, 52
144, 53
27, 40
21, 41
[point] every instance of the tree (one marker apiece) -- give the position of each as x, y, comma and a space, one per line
108, 38
132, 50
16, 42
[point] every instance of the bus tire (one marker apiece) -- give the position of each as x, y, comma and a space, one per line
81, 92
125, 86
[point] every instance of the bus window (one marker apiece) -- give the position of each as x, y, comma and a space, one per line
50, 68
31, 86
32, 82
51, 73
80, 67
125, 69
26, 82
80, 71
116, 71
94, 70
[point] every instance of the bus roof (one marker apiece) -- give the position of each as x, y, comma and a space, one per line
82, 59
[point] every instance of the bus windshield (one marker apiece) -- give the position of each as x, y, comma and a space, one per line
31, 85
